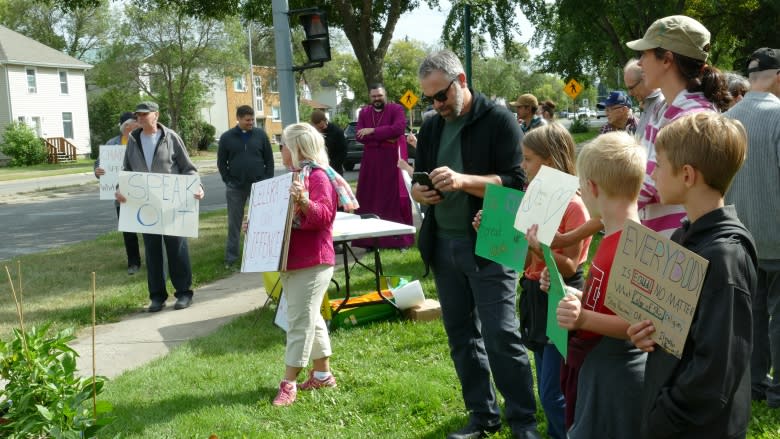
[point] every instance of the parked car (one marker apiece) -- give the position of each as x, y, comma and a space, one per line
585, 113
354, 148
601, 112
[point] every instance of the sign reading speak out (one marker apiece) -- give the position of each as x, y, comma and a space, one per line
270, 218
656, 279
162, 204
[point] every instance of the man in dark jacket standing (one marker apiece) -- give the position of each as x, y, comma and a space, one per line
335, 142
244, 157
470, 143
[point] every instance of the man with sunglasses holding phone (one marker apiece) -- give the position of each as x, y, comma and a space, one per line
651, 101
468, 144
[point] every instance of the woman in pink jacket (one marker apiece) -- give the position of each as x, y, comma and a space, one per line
317, 191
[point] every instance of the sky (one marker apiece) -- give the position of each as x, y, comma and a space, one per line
426, 24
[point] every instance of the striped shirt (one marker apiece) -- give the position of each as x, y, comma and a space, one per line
665, 219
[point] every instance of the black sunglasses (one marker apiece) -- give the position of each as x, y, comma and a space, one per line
440, 95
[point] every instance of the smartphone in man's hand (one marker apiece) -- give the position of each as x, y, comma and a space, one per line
424, 179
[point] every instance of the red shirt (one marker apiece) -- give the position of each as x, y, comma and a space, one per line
598, 278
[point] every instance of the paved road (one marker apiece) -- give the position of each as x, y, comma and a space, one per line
75, 214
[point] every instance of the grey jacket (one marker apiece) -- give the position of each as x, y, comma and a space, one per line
170, 155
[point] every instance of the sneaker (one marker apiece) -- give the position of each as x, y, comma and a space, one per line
183, 301
156, 305
133, 269
286, 395
313, 383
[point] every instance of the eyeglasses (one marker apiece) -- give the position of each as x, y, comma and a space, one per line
440, 95
631, 87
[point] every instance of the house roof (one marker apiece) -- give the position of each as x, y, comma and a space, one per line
15, 48
314, 104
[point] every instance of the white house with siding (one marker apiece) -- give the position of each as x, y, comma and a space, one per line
44, 88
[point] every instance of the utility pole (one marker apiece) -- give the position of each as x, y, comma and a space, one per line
251, 68
467, 42
284, 63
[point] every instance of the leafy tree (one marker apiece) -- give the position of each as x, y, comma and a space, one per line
104, 110
23, 146
77, 31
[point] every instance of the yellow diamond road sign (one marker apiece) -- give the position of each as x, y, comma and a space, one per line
572, 88
409, 100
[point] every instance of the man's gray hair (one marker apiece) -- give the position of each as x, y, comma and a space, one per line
633, 66
738, 84
445, 61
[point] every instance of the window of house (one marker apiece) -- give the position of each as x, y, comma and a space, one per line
258, 94
20, 119
32, 84
275, 114
36, 125
239, 84
273, 87
63, 82
67, 125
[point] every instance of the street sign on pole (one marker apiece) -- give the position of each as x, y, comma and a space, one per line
572, 88
409, 100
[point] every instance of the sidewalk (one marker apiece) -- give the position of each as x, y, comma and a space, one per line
142, 337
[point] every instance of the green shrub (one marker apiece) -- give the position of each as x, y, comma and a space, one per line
579, 125
43, 396
23, 146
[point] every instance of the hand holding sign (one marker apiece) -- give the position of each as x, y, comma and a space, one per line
545, 202
111, 157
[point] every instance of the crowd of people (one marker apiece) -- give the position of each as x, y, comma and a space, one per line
688, 168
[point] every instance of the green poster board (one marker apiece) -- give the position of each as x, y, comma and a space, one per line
559, 336
497, 238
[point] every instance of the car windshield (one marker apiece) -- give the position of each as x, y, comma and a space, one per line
349, 131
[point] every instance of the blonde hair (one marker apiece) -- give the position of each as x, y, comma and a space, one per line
711, 143
553, 142
305, 143
616, 163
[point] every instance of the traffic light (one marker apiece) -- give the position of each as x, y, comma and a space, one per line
317, 42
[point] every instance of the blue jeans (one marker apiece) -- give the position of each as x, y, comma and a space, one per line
548, 380
478, 310
178, 265
236, 200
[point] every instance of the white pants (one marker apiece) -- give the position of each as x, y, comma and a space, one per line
307, 334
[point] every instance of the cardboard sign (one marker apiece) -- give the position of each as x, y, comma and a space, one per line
162, 204
111, 158
655, 279
545, 202
559, 336
270, 219
497, 240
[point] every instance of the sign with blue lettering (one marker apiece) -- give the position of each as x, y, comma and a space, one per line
656, 279
162, 204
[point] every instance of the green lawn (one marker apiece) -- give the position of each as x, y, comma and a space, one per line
395, 378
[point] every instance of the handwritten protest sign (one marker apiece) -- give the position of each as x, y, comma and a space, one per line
162, 204
270, 217
497, 240
559, 336
111, 157
655, 279
545, 202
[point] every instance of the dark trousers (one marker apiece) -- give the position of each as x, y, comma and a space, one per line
131, 246
478, 309
766, 332
236, 200
175, 248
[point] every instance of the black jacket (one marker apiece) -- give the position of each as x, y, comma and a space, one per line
490, 144
242, 164
706, 394
336, 144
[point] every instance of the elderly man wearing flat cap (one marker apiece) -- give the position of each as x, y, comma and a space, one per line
157, 148
759, 112
527, 105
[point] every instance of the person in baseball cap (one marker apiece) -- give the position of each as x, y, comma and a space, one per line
619, 115
764, 59
527, 105
147, 107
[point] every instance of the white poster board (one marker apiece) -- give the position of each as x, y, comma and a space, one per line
111, 158
656, 279
270, 217
162, 204
545, 202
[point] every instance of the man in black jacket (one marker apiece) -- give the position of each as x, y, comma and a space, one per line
244, 157
472, 142
335, 142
